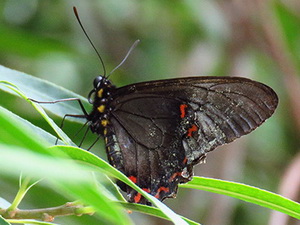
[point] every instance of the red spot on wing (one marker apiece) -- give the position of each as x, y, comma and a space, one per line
182, 110
133, 179
146, 190
137, 198
165, 189
191, 130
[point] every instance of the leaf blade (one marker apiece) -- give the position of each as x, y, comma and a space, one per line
246, 193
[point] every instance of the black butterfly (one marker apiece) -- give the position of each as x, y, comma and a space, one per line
155, 132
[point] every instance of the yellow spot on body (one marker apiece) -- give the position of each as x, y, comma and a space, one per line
101, 108
100, 93
105, 133
104, 123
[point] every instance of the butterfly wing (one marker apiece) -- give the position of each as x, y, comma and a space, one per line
160, 129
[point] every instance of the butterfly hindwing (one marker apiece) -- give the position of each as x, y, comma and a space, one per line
149, 139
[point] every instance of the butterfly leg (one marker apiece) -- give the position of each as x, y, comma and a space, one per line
67, 115
63, 100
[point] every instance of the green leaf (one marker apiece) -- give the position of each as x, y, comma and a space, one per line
152, 211
42, 90
17, 134
246, 193
40, 134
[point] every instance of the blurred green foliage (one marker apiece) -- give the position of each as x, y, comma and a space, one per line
178, 38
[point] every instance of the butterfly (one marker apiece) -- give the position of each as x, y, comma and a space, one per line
156, 131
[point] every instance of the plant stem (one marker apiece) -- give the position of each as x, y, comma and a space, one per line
48, 214
20, 195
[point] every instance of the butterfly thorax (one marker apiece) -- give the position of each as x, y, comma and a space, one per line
100, 97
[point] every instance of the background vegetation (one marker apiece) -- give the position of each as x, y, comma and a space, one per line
258, 39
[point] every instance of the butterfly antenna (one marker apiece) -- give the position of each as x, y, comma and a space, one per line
128, 53
78, 19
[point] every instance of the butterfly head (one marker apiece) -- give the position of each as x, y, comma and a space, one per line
101, 90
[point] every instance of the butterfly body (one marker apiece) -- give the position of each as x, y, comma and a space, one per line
155, 132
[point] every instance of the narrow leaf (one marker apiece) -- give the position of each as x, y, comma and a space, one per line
246, 193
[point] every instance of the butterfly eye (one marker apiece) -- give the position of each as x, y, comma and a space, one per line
98, 81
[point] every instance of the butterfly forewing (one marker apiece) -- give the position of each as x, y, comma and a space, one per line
160, 129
